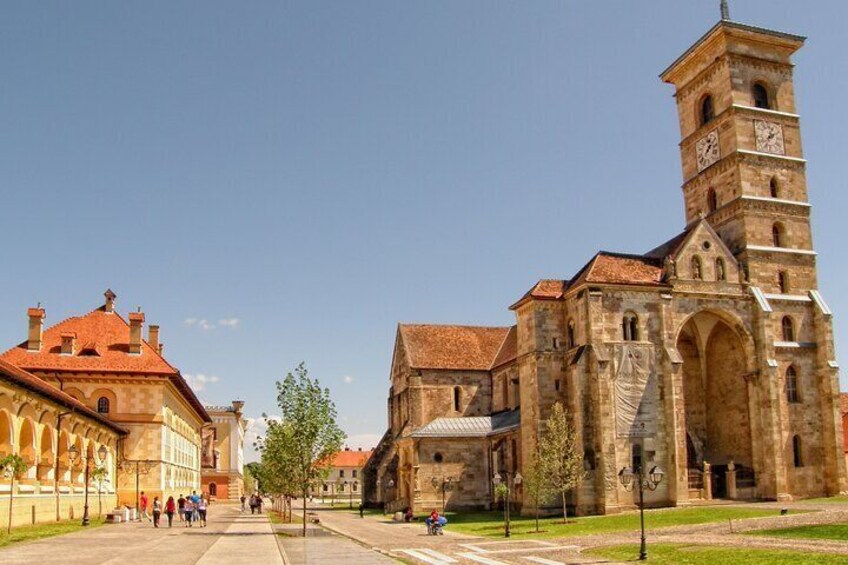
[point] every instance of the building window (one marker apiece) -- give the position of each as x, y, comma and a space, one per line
355, 487
630, 327
353, 473
712, 200
457, 398
505, 391
773, 188
103, 405
707, 110
720, 273
788, 329
636, 456
555, 343
570, 335
792, 385
213, 489
777, 235
796, 451
697, 273
556, 385
761, 97
341, 473
783, 282
326, 487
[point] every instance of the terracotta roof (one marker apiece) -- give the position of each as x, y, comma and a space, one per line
105, 334
106, 350
843, 398
619, 268
468, 348
350, 458
508, 350
9, 372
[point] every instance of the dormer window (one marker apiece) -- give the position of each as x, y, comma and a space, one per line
707, 110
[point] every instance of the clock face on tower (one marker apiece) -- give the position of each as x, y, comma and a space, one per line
706, 150
769, 137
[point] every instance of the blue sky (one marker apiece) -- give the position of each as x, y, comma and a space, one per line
312, 173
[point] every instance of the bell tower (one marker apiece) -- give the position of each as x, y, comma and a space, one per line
743, 167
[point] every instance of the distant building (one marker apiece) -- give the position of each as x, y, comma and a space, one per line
222, 461
345, 478
102, 361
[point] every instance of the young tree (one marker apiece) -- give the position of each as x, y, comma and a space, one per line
560, 458
295, 450
12, 467
537, 485
99, 475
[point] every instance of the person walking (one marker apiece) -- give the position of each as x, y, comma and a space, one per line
243, 498
188, 511
195, 516
170, 508
259, 502
181, 507
143, 503
201, 510
157, 511
252, 503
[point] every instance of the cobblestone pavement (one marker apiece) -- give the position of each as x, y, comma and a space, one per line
410, 542
230, 538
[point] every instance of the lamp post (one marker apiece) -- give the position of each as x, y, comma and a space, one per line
388, 485
142, 467
73, 455
446, 484
642, 481
516, 480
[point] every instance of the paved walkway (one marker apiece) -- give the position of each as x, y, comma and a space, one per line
230, 538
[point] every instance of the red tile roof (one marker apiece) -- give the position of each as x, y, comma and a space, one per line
508, 350
619, 268
545, 289
350, 458
465, 348
105, 349
17, 376
106, 334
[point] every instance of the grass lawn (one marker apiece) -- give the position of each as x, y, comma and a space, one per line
823, 531
490, 524
670, 554
827, 500
38, 531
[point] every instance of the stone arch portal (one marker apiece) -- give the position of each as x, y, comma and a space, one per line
716, 354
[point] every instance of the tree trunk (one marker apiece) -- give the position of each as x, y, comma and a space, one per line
536, 502
304, 513
564, 509
11, 490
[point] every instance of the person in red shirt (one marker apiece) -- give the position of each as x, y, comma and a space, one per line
170, 508
143, 503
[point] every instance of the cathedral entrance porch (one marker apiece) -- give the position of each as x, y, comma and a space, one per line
717, 408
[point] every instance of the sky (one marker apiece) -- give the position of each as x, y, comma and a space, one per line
276, 182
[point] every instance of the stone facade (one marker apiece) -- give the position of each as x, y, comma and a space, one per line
344, 477
222, 459
710, 356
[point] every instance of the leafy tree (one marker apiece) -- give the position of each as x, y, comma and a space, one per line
537, 485
251, 477
295, 449
99, 476
560, 458
12, 467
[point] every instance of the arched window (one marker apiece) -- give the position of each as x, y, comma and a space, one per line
103, 405
570, 335
773, 187
707, 110
783, 282
792, 385
720, 273
777, 235
796, 451
457, 398
630, 327
636, 456
213, 489
712, 200
788, 329
697, 272
761, 97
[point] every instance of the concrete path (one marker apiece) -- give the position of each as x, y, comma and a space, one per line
230, 538
329, 549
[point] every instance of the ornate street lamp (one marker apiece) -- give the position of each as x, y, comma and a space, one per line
516, 480
643, 481
73, 455
385, 490
446, 484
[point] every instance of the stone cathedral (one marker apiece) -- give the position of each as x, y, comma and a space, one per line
710, 356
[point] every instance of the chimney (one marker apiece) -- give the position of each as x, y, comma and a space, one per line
136, 323
153, 337
69, 340
161, 349
237, 406
36, 323
109, 307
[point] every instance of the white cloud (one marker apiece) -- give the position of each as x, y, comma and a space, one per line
256, 427
190, 321
205, 325
199, 381
347, 379
365, 441
229, 322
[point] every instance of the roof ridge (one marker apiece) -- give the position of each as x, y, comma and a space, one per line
502, 345
426, 325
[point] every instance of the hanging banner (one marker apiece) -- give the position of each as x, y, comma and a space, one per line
636, 394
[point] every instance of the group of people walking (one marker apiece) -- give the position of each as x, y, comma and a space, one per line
255, 503
190, 510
